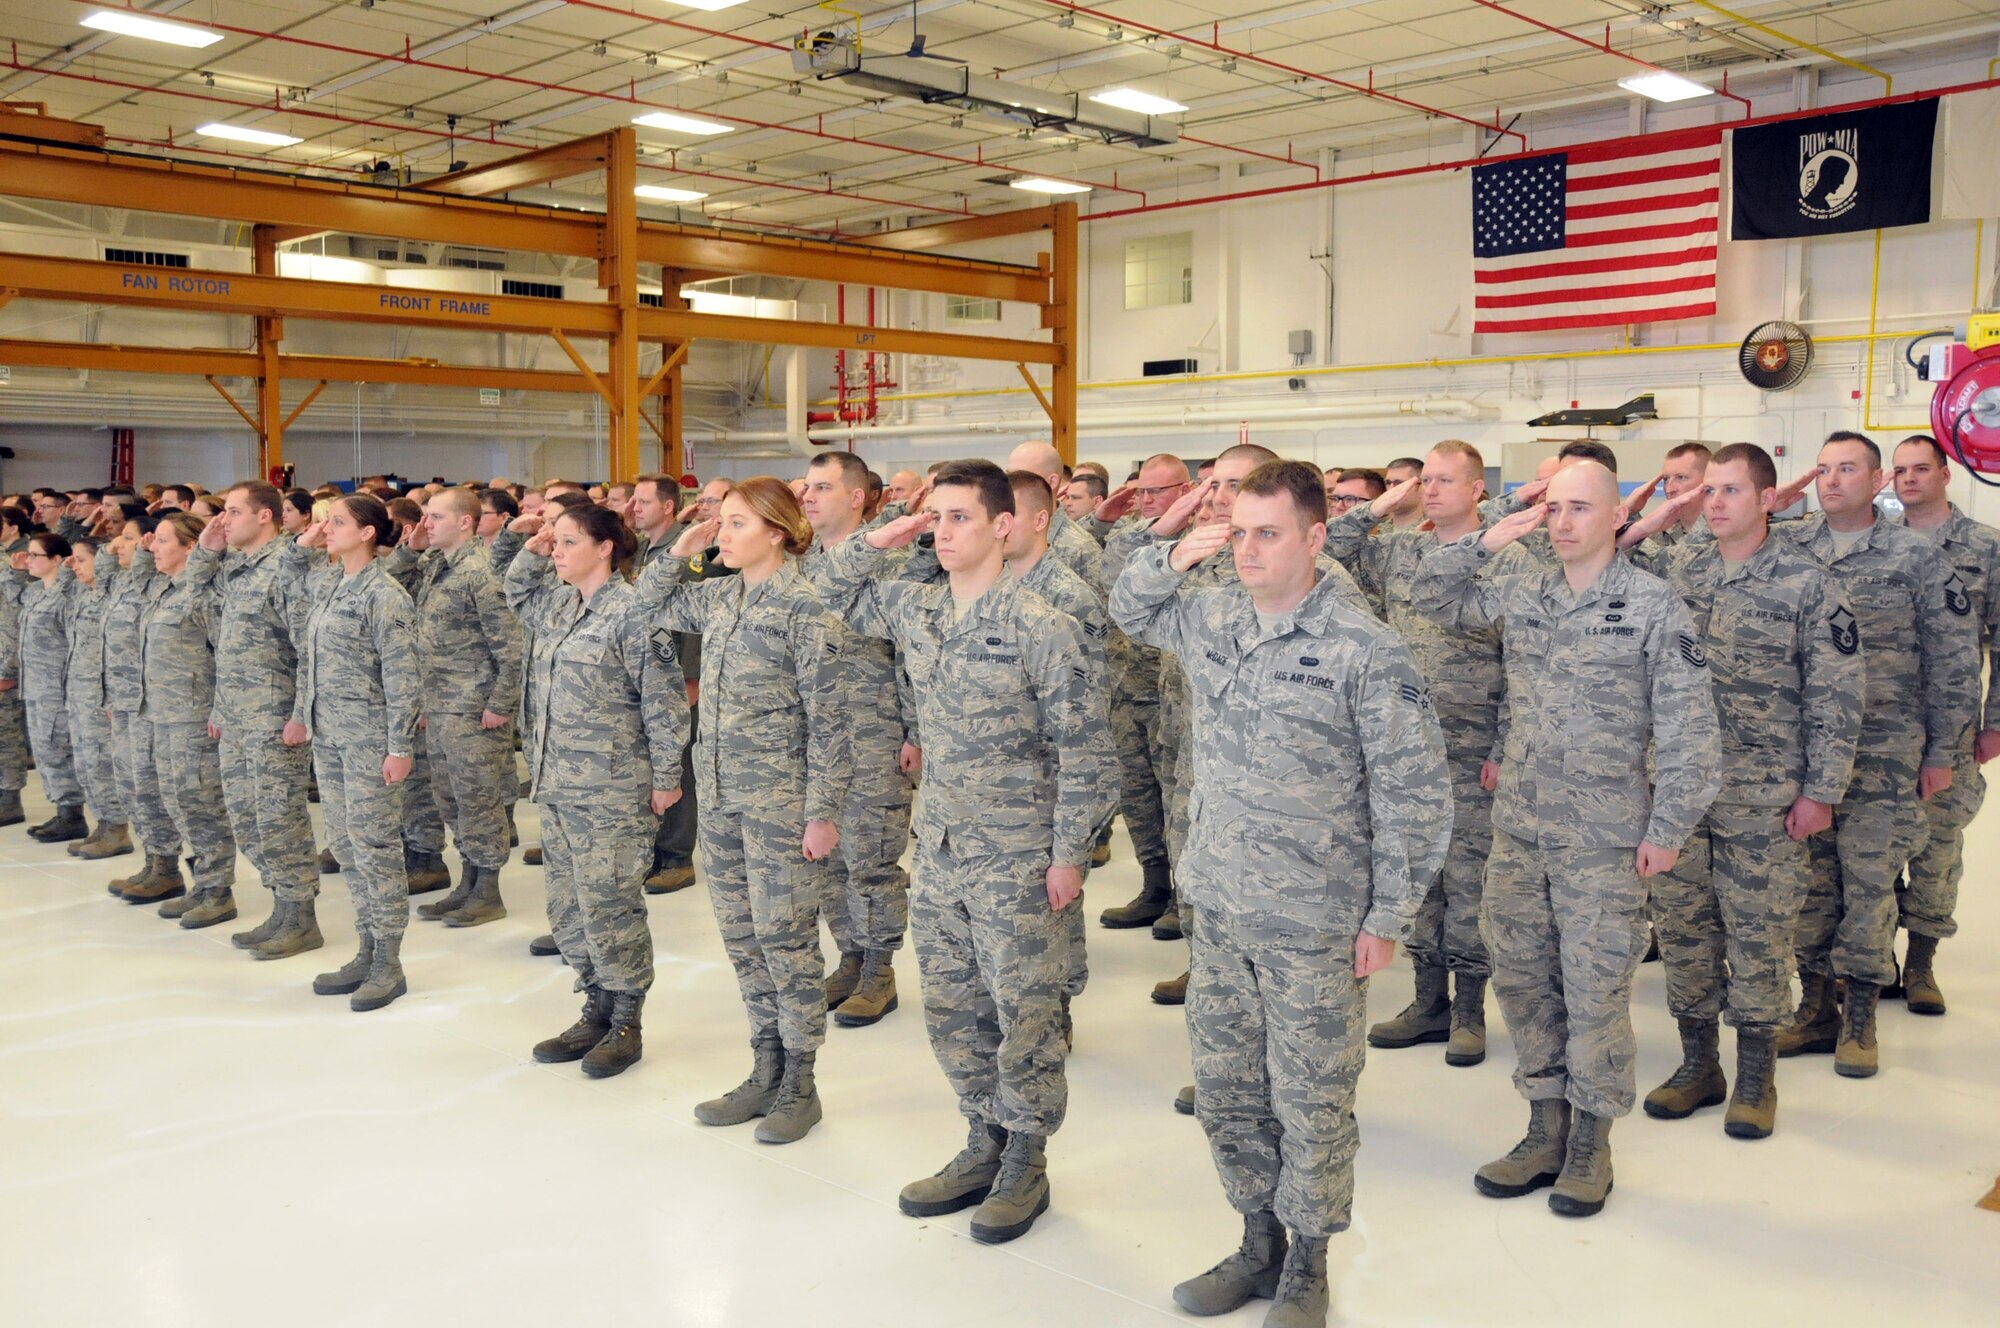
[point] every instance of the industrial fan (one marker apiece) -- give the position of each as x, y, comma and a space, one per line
1775, 356
1965, 411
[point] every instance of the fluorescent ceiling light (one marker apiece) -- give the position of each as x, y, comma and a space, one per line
706, 6
1660, 85
667, 194
1131, 99
680, 124
127, 24
1035, 184
263, 137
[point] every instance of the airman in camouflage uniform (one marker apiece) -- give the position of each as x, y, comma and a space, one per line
1788, 687
424, 867
128, 593
44, 652
1016, 785
1919, 641
89, 723
1595, 675
1280, 880
608, 719
13, 717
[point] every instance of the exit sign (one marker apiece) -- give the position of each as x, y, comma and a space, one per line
489, 396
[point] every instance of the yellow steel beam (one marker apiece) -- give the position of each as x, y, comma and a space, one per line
1062, 381
618, 274
589, 376
559, 161
248, 418
300, 409
270, 384
1036, 388
7, 296
815, 260
667, 366
201, 363
946, 233
680, 325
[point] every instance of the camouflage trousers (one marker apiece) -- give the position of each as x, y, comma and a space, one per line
423, 825
139, 785
96, 768
1174, 763
596, 855
1278, 1025
1134, 725
993, 957
264, 785
190, 771
1847, 926
679, 828
766, 901
55, 759
1726, 915
1446, 932
13, 740
1928, 905
364, 819
472, 784
867, 892
1566, 929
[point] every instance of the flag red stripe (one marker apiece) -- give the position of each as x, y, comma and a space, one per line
1579, 266
1625, 207
1639, 234
1687, 170
1623, 290
1680, 141
1608, 318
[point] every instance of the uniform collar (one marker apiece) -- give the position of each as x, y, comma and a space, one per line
1614, 581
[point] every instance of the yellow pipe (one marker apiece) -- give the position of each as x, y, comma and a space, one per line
1978, 247
1868, 378
1888, 83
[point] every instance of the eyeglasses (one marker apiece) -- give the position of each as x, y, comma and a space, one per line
1345, 499
1163, 491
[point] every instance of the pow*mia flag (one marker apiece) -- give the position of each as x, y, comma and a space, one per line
1830, 174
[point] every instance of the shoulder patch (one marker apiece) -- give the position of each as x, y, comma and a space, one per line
1846, 633
663, 646
1310, 661
1419, 697
1955, 596
1691, 651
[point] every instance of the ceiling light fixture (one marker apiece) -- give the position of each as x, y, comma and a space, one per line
1035, 184
243, 134
707, 6
679, 124
1659, 85
668, 194
126, 24
1131, 99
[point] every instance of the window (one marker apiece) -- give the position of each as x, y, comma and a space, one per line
544, 290
1159, 270
970, 309
144, 257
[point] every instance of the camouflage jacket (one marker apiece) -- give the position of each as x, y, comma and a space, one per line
468, 641
1077, 548
84, 685
177, 647
45, 614
1594, 678
773, 731
260, 607
358, 674
13, 581
876, 706
1016, 735
1919, 639
1973, 548
608, 706
128, 596
1320, 799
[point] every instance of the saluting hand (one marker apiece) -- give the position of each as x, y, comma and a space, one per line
542, 543
215, 535
1198, 544
903, 530
1530, 493
527, 524
419, 537
1640, 497
1662, 516
1065, 884
1117, 503
1176, 518
695, 538
1787, 494
313, 536
819, 840
1508, 529
1391, 496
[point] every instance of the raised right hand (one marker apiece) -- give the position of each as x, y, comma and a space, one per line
1511, 528
1200, 543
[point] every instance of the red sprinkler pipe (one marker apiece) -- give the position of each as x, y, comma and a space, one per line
1605, 47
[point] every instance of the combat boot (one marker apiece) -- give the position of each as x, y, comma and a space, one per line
542, 947
1020, 1192
328, 864
1815, 1029
874, 993
574, 1042
467, 875
1534, 1162
385, 977
1184, 1101
1167, 927
166, 882
753, 1097
1302, 1294
532, 855
1250, 1272
139, 879
1753, 1109
1920, 988
88, 841
65, 825
1698, 1082
427, 871
1585, 1182
297, 933
796, 1109
174, 909
209, 907
485, 904
1171, 992
1156, 891
1427, 1018
1468, 1022
10, 807
348, 978
840, 983
620, 1049
263, 931
668, 880
113, 840
1855, 1055
964, 1181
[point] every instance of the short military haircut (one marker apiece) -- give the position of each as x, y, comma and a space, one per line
1589, 449
259, 494
1298, 480
1091, 483
1257, 453
570, 498
501, 502
1459, 448
1691, 449
461, 502
1031, 493
1763, 474
1411, 464
874, 486
180, 493
1929, 442
853, 470
1849, 436
1373, 479
1164, 459
1096, 468
987, 481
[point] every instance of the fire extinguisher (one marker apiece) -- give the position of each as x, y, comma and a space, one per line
281, 476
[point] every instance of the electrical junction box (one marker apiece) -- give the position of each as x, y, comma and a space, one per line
1301, 341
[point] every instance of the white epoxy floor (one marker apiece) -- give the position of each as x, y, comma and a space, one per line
192, 1139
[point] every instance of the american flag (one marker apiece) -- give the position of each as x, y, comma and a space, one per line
1597, 236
